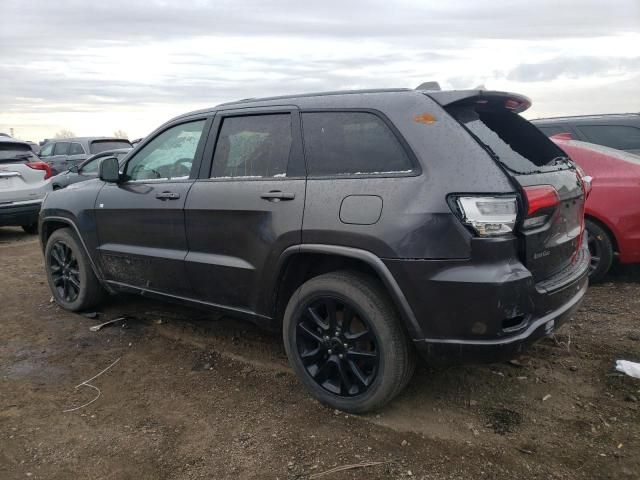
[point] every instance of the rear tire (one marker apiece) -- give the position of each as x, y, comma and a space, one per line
355, 359
31, 229
73, 284
601, 249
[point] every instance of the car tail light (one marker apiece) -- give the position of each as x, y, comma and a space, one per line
488, 216
542, 201
41, 166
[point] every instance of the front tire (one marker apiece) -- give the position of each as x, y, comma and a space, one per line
345, 342
73, 284
601, 250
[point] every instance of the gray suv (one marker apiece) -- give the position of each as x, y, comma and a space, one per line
364, 226
63, 153
619, 131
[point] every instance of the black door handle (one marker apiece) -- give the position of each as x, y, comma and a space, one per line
167, 196
277, 195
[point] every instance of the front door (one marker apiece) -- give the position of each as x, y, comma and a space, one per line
140, 221
247, 209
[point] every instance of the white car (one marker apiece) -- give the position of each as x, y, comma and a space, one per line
24, 182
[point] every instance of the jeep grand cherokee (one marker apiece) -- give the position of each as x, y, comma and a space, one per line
365, 225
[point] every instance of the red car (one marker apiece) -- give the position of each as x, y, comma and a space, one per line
613, 207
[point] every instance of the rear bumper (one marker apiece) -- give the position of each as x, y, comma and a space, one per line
476, 311
19, 213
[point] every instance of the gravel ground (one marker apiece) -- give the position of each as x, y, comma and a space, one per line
193, 395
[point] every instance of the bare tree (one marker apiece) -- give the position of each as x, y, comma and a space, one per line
64, 133
120, 134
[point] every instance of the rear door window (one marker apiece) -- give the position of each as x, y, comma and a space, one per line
351, 143
255, 146
47, 150
620, 137
517, 143
76, 149
61, 148
99, 146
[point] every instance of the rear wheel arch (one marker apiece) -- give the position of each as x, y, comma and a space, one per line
301, 263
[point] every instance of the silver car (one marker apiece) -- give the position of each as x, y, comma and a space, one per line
24, 182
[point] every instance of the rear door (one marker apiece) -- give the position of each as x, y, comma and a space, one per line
140, 221
551, 236
248, 206
58, 159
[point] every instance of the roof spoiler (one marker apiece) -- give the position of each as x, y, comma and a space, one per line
513, 102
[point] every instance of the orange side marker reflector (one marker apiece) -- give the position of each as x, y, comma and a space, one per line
425, 118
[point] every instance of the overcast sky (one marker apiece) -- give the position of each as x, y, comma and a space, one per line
97, 66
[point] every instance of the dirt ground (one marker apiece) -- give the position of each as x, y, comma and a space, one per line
193, 395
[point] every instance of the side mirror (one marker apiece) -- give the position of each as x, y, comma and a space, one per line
109, 170
74, 169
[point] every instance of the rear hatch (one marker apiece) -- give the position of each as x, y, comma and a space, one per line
551, 218
22, 174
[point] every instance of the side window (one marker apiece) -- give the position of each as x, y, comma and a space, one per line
61, 148
551, 131
169, 155
47, 150
91, 168
253, 146
622, 137
76, 149
351, 143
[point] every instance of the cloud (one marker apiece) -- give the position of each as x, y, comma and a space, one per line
573, 67
95, 65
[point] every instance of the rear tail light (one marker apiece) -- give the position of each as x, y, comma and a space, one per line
488, 216
542, 201
41, 166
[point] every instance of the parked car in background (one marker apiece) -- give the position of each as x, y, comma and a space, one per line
87, 169
613, 208
619, 131
441, 222
35, 148
24, 181
63, 153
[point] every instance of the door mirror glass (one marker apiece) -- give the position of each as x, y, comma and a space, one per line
109, 170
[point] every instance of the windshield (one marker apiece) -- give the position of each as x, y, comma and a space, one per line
516, 143
14, 151
99, 146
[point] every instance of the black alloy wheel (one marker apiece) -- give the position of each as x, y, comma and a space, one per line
64, 271
337, 346
595, 249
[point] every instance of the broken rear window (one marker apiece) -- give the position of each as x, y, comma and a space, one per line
518, 144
